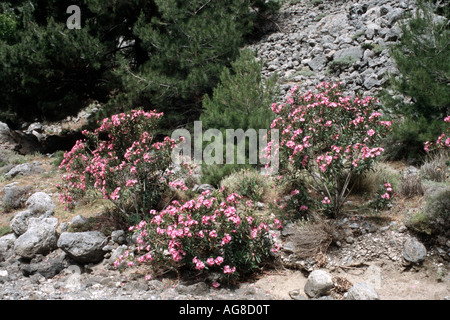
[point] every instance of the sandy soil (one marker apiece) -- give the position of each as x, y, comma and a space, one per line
390, 281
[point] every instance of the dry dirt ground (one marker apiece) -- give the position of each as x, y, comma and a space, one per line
391, 283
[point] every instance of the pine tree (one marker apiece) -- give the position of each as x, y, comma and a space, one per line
242, 98
423, 59
156, 54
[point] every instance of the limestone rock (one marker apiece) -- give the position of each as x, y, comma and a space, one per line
318, 284
40, 238
361, 291
83, 247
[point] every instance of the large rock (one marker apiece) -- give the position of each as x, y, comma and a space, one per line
355, 53
318, 63
7, 246
414, 251
332, 24
361, 291
19, 224
14, 196
40, 203
83, 247
48, 266
40, 238
319, 283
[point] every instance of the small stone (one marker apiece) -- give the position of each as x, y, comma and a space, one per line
318, 284
414, 251
361, 291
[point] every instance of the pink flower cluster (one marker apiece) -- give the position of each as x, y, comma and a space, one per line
326, 133
121, 167
442, 142
205, 232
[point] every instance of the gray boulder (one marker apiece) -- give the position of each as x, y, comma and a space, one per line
23, 169
83, 247
414, 251
119, 236
355, 53
7, 246
40, 203
48, 267
19, 224
361, 291
14, 196
78, 220
40, 238
318, 63
319, 283
203, 187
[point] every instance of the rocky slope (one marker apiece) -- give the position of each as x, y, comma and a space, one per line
334, 41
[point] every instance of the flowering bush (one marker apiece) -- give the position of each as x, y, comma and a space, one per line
442, 142
330, 138
121, 162
207, 233
384, 197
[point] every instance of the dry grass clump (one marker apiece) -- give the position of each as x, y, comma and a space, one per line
411, 186
369, 182
248, 183
436, 167
314, 239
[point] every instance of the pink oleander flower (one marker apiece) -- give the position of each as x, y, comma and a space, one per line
326, 200
228, 269
218, 260
386, 196
210, 262
213, 234
226, 239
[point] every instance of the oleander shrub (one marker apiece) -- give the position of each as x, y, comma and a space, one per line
122, 162
328, 138
211, 233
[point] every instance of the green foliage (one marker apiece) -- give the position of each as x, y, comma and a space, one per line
407, 138
434, 219
48, 71
339, 65
423, 58
215, 173
242, 99
8, 25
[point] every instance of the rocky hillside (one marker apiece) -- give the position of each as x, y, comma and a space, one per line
333, 41
373, 258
